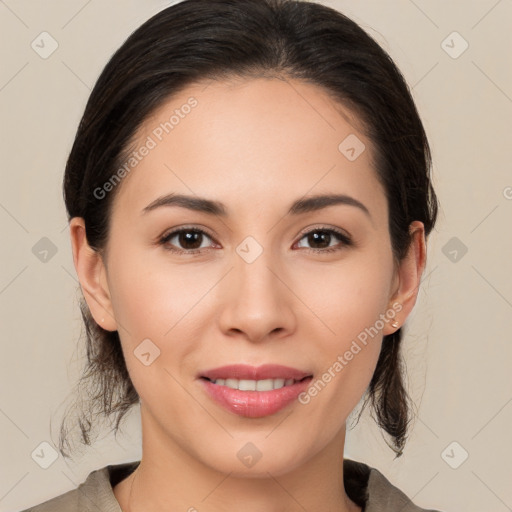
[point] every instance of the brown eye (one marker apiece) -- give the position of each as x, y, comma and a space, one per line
321, 239
186, 240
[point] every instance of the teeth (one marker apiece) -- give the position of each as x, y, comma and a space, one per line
254, 385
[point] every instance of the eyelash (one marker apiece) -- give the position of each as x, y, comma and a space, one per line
346, 241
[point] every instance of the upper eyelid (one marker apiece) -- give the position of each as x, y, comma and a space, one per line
176, 231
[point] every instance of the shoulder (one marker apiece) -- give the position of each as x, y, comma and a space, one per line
65, 502
95, 494
367, 485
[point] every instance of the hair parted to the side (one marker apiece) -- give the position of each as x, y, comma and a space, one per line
197, 40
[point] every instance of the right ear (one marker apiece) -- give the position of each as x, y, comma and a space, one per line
92, 275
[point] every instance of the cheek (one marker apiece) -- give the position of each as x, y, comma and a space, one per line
349, 297
351, 303
346, 357
157, 302
152, 298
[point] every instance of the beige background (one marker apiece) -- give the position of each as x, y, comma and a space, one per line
458, 344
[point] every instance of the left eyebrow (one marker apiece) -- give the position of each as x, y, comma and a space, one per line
198, 204
300, 206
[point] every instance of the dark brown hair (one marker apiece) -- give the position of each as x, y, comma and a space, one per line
199, 40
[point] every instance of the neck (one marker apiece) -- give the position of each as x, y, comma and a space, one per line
171, 478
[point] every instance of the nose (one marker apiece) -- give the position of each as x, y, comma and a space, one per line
257, 303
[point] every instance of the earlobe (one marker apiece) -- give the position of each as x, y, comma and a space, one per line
409, 275
91, 273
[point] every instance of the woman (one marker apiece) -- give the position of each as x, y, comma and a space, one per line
249, 201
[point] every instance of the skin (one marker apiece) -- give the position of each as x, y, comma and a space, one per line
255, 145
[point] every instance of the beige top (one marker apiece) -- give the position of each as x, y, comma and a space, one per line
365, 485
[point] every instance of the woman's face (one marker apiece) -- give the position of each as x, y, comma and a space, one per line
255, 288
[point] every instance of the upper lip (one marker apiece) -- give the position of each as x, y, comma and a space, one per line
243, 371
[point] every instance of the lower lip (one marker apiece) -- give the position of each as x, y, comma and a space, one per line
254, 404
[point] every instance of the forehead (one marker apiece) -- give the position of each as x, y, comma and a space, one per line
254, 143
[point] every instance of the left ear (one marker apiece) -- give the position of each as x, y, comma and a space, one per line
408, 277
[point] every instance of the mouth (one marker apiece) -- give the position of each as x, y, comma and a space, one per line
254, 392
256, 385
246, 375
